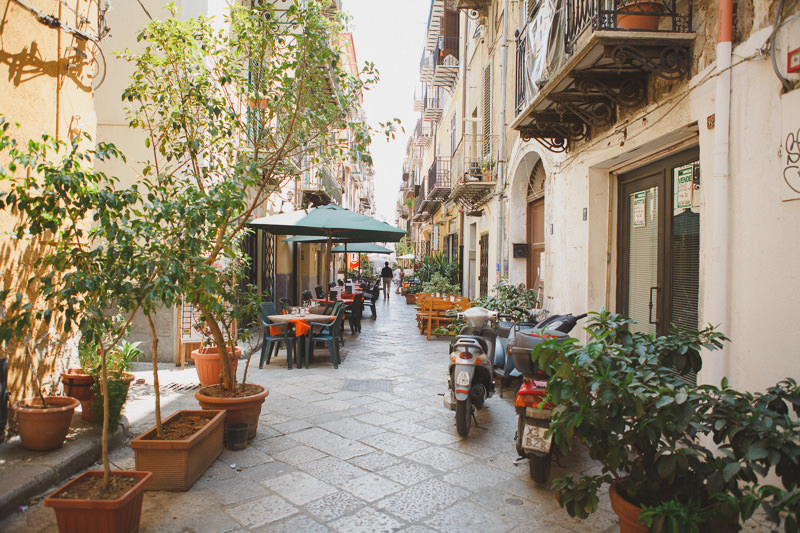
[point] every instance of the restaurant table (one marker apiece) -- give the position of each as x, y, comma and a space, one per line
299, 345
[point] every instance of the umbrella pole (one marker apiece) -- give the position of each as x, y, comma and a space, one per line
328, 267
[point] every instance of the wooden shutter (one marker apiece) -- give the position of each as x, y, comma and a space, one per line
487, 108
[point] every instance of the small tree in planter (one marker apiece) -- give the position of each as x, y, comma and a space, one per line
622, 396
230, 116
88, 259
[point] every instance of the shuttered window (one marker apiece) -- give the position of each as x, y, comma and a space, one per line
487, 108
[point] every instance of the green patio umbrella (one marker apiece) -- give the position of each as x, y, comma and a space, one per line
330, 221
361, 248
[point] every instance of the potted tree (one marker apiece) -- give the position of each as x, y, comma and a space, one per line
233, 155
681, 457
82, 271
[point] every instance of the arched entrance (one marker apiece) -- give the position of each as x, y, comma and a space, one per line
534, 227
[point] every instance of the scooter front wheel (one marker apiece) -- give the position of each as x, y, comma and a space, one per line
464, 416
540, 468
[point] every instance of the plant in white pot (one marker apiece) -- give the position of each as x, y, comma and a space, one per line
681, 457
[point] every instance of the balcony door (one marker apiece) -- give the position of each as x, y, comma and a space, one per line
659, 244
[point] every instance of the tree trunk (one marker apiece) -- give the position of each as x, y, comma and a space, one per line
159, 428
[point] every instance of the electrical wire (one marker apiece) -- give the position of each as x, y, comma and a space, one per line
787, 85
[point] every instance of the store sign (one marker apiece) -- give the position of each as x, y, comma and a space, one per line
639, 209
684, 185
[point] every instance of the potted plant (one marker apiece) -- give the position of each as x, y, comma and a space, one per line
83, 270
220, 185
439, 284
119, 362
639, 15
507, 299
681, 457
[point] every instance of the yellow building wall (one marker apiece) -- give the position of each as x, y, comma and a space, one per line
46, 77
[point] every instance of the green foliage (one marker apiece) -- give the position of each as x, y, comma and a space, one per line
437, 264
621, 397
439, 284
505, 297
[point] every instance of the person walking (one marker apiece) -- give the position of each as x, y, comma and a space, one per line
398, 279
386, 275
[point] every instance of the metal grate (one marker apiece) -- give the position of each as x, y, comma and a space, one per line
367, 385
179, 387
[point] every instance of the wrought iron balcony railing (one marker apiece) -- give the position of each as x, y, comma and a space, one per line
439, 183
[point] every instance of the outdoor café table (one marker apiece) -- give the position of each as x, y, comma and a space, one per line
299, 351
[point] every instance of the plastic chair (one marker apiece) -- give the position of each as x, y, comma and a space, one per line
354, 313
305, 296
320, 292
370, 298
283, 305
271, 341
328, 334
332, 308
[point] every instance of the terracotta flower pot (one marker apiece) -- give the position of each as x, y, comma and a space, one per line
244, 410
627, 512
177, 464
640, 22
87, 516
88, 406
77, 384
411, 298
206, 361
44, 429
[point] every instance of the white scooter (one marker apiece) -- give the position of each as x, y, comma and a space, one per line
472, 365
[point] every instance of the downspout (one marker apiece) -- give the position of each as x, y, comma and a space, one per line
462, 237
718, 276
501, 149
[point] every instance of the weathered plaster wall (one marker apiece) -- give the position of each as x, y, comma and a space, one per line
46, 86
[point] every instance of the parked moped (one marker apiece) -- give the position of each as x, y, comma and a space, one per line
533, 411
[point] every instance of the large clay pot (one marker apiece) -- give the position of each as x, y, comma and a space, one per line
88, 406
243, 410
640, 22
627, 512
206, 361
44, 429
89, 516
77, 384
177, 464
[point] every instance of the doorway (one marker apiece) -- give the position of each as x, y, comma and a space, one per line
659, 244
483, 277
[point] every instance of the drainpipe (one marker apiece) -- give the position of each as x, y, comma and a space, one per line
718, 276
501, 149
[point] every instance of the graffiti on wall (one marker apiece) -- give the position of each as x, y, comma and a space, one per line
791, 169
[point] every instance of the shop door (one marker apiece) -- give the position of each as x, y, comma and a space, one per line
483, 277
659, 244
535, 240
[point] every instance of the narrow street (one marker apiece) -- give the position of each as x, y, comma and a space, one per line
367, 447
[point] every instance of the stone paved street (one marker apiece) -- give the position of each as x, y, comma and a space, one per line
367, 447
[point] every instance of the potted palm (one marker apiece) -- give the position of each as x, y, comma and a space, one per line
681, 457
224, 161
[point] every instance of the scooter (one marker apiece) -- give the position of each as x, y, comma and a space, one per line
471, 367
533, 411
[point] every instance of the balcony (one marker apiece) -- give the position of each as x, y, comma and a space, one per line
423, 134
445, 71
419, 97
319, 188
439, 184
435, 19
420, 213
473, 170
479, 5
432, 112
575, 83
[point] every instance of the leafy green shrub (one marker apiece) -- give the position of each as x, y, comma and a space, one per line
438, 283
623, 395
506, 297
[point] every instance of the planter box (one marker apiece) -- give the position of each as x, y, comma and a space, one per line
88, 516
411, 298
177, 464
240, 410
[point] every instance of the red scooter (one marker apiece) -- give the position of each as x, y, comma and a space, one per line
533, 411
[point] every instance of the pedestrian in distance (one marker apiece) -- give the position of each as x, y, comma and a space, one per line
398, 278
386, 275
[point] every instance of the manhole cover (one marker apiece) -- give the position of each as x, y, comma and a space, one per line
368, 385
513, 501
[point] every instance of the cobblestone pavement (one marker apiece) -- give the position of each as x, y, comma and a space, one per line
368, 447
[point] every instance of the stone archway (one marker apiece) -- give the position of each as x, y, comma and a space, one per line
528, 171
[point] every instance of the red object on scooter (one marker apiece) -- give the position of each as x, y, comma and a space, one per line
531, 394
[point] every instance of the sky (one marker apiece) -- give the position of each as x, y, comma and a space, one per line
389, 34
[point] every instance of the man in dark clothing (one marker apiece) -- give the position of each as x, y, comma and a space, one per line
386, 275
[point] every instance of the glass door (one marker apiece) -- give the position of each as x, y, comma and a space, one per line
659, 244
